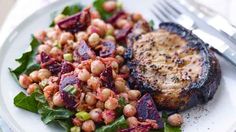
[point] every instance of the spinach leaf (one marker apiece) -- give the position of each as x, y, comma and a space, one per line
49, 115
36, 103
120, 123
168, 127
68, 11
27, 61
122, 102
66, 124
26, 102
98, 5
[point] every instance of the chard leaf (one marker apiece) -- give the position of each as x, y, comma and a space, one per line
168, 127
27, 61
68, 11
26, 102
98, 5
49, 115
120, 123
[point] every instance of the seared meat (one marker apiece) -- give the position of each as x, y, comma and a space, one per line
175, 66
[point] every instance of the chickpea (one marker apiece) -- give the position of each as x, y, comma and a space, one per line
108, 116
120, 23
136, 17
44, 74
175, 120
48, 91
111, 103
40, 35
88, 126
81, 36
134, 94
134, 103
96, 115
100, 105
109, 6
129, 110
120, 84
94, 82
93, 29
59, 17
120, 50
55, 52
90, 99
32, 88
120, 59
114, 74
25, 81
57, 100
83, 75
95, 14
100, 24
34, 76
53, 34
65, 36
110, 29
110, 38
124, 69
115, 66
106, 93
44, 48
97, 67
94, 40
132, 122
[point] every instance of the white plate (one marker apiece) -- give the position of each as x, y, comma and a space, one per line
216, 116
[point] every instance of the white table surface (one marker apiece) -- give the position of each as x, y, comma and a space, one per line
23, 8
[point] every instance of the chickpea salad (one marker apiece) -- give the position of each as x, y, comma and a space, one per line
76, 74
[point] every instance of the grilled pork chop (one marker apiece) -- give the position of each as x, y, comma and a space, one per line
174, 65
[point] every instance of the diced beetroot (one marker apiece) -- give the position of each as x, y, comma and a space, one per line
83, 52
140, 128
44, 57
146, 109
77, 22
49, 63
66, 67
107, 79
115, 17
68, 79
122, 33
108, 49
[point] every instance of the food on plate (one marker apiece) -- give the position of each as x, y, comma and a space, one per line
100, 68
175, 66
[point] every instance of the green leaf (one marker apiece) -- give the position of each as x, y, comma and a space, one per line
49, 115
151, 24
71, 10
26, 102
120, 123
27, 61
168, 127
66, 124
98, 5
122, 102
68, 11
